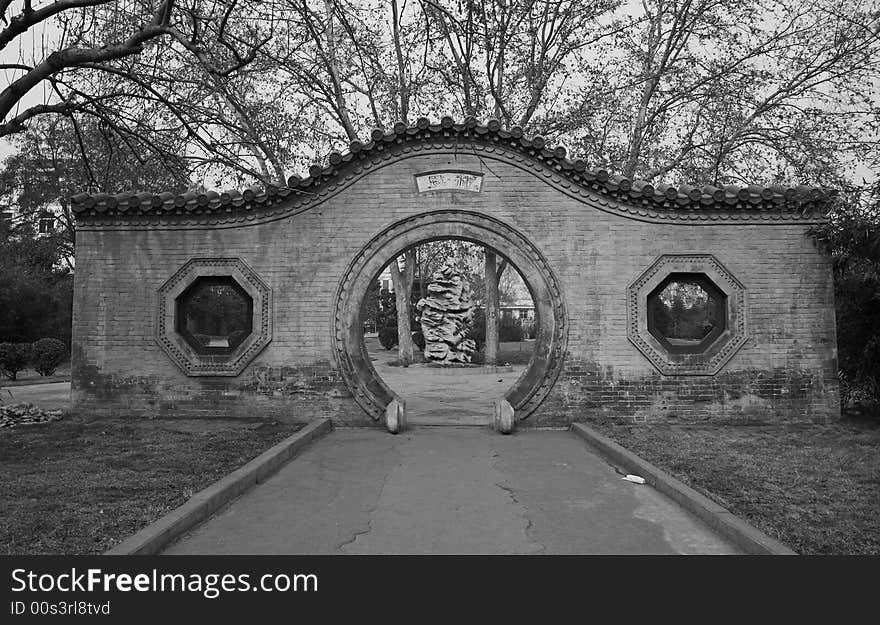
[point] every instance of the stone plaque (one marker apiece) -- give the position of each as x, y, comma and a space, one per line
449, 181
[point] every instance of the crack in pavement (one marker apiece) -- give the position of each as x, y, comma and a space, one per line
341, 547
529, 529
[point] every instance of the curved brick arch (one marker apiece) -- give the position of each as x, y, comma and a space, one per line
367, 387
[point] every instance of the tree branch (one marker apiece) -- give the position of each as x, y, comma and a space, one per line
22, 22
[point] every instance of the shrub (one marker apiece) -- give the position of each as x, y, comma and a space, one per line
47, 354
388, 336
14, 357
477, 331
510, 330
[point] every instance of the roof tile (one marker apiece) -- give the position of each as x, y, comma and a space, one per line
662, 198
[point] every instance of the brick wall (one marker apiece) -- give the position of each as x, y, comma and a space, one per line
785, 371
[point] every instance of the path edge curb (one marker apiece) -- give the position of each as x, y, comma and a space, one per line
743, 535
159, 534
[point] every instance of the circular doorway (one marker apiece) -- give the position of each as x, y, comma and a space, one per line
367, 387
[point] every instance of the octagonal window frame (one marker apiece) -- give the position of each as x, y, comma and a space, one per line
213, 361
715, 350
712, 290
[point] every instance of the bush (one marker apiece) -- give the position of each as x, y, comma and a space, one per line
852, 237
14, 357
510, 330
388, 336
477, 331
47, 354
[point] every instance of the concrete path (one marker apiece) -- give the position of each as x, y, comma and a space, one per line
444, 396
450, 491
437, 396
54, 396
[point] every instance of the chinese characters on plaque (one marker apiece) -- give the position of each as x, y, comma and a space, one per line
449, 181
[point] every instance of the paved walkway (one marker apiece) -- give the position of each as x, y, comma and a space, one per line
450, 490
444, 396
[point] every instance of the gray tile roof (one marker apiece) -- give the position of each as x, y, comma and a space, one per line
659, 197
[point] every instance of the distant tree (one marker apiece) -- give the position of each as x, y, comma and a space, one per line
492, 273
370, 308
466, 256
36, 289
47, 354
14, 357
217, 310
852, 236
403, 279
151, 71
512, 287
58, 158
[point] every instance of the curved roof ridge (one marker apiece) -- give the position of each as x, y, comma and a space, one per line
660, 197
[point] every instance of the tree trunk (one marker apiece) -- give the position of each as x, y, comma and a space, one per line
402, 285
492, 308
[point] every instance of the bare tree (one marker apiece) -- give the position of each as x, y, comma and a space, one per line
113, 59
493, 273
713, 90
402, 280
51, 165
705, 91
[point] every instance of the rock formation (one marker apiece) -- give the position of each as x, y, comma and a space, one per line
445, 316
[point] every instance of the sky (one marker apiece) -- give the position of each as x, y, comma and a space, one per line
23, 50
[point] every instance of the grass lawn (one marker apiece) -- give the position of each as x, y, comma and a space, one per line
30, 376
508, 354
81, 485
516, 353
816, 488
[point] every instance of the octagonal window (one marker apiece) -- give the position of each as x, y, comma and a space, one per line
214, 315
686, 312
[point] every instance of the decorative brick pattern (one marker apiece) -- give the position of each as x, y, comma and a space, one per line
180, 351
722, 349
360, 376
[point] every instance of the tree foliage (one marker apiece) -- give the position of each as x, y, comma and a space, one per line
698, 91
14, 357
56, 159
852, 236
36, 290
47, 354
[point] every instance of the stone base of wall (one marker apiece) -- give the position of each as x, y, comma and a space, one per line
301, 393
585, 391
589, 392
